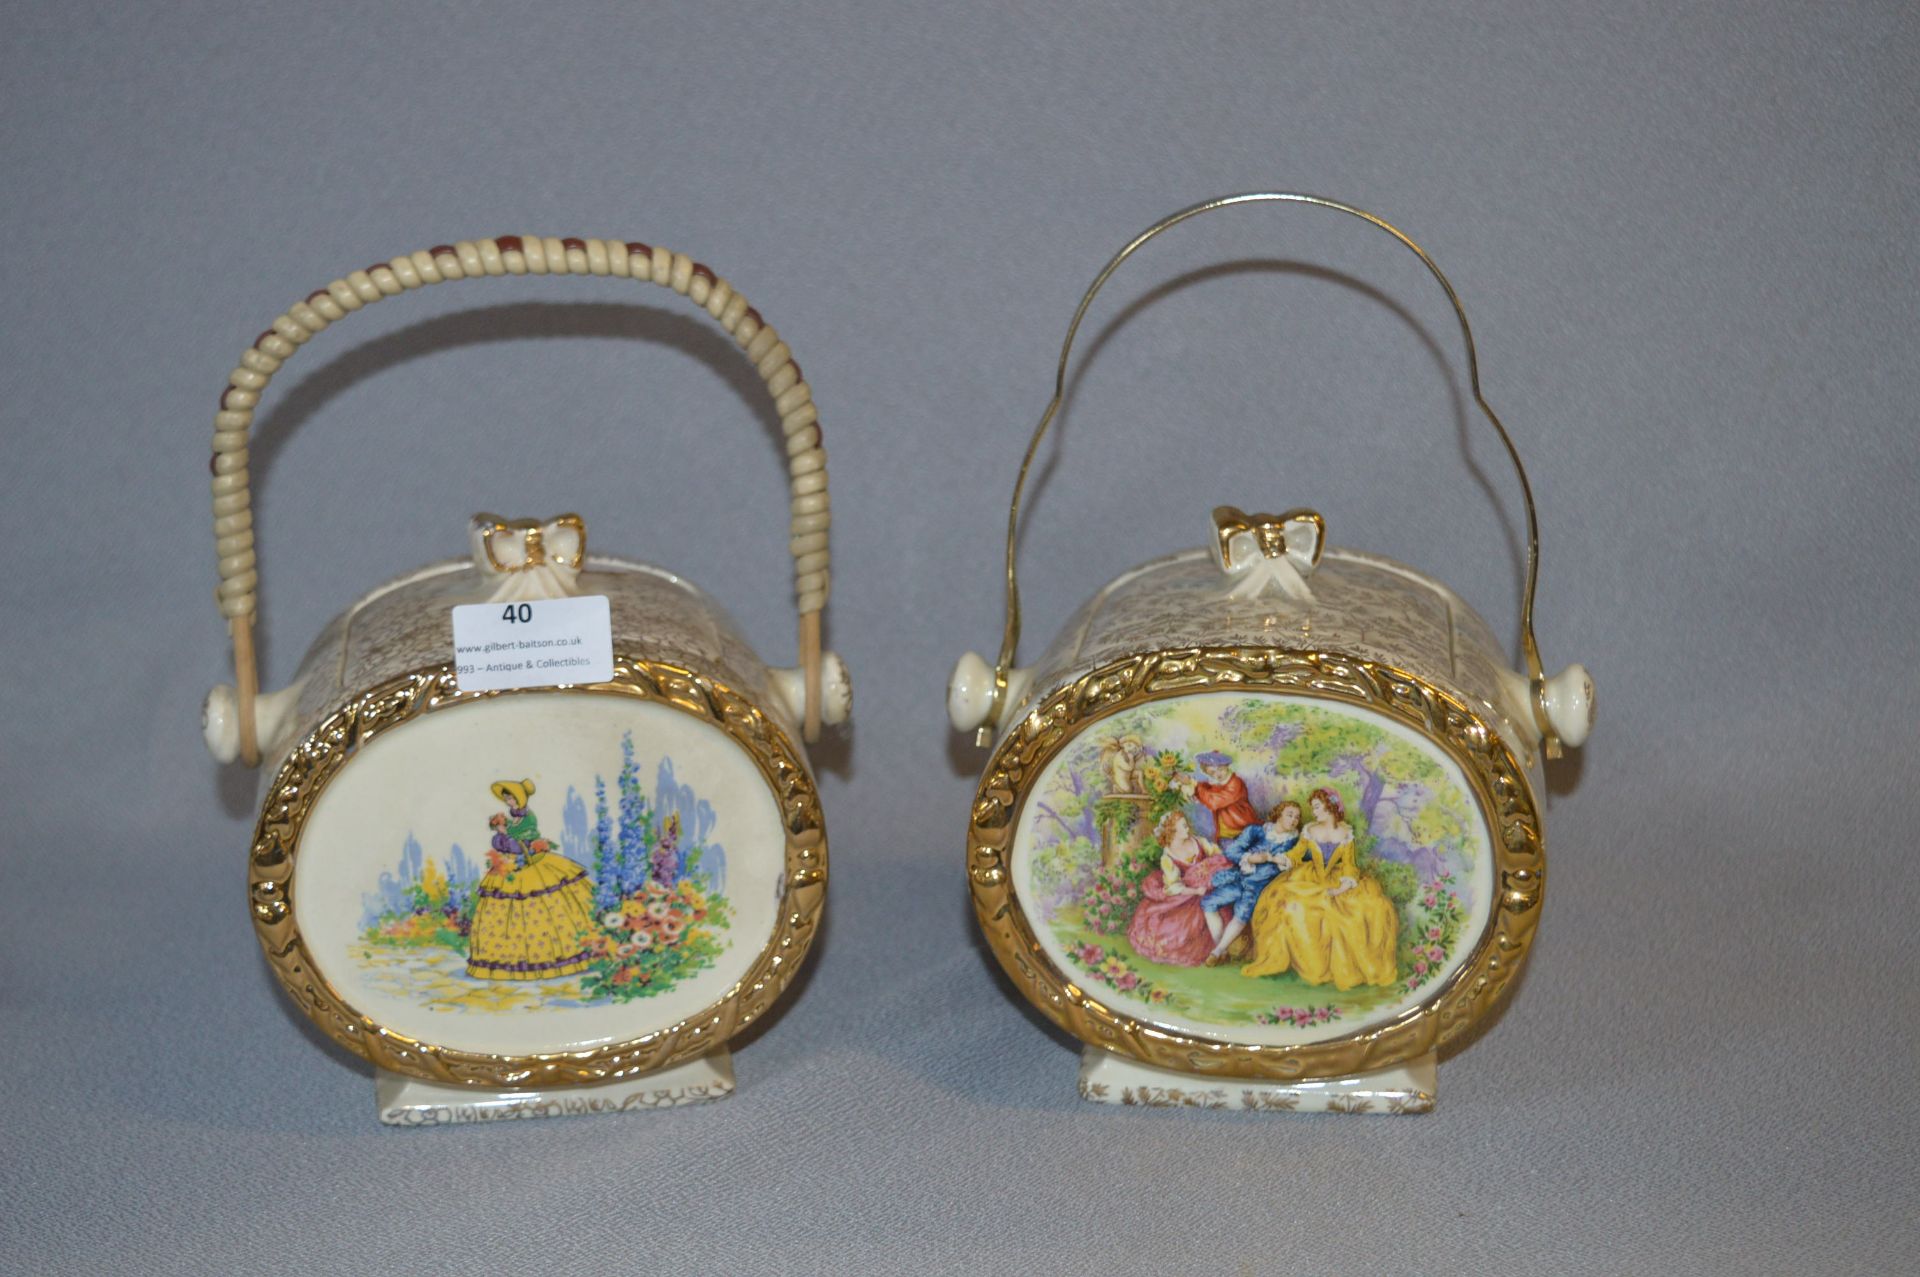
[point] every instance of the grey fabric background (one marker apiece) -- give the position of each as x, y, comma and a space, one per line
1685, 234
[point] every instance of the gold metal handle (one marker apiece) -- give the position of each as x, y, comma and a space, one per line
1010, 637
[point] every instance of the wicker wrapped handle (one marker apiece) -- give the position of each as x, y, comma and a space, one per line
514, 255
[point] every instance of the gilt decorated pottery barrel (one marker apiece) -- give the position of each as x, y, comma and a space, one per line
1262, 825
538, 832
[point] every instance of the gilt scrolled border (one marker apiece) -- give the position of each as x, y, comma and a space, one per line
1467, 995
318, 757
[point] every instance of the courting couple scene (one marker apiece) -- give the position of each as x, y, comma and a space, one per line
1254, 860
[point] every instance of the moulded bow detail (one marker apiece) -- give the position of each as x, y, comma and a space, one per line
1263, 551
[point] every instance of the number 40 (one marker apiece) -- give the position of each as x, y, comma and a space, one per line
517, 612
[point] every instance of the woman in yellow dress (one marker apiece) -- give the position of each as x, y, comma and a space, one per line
1323, 919
535, 907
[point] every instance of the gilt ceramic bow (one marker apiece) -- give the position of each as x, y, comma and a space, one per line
531, 559
1268, 551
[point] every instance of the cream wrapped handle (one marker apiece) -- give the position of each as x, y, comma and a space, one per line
514, 255
997, 697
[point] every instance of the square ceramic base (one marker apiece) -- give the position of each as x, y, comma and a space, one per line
1106, 1078
406, 1101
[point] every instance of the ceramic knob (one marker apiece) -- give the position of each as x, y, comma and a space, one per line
1568, 699
220, 723
836, 689
970, 692
220, 720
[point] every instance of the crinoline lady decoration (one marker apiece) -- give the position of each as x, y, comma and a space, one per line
535, 907
487, 962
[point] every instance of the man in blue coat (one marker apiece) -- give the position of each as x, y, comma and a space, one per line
1259, 854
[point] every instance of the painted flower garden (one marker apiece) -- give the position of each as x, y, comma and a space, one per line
658, 911
654, 937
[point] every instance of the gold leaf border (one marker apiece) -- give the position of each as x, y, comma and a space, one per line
313, 763
1468, 994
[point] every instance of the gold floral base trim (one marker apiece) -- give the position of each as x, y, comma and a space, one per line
410, 1102
1106, 1078
1467, 996
320, 755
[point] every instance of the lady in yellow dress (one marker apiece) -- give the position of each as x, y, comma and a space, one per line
1324, 920
535, 907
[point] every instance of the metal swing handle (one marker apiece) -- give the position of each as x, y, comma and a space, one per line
1010, 637
514, 255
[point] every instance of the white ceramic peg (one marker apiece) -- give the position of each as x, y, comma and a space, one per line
836, 689
220, 720
1565, 708
970, 703
1568, 700
970, 692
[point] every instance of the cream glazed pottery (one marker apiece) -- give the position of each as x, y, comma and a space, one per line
538, 833
1262, 825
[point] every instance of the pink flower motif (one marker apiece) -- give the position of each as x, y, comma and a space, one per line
1126, 982
1433, 933
1091, 954
1420, 966
1413, 982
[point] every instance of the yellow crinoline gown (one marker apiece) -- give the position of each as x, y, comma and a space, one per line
1299, 925
532, 923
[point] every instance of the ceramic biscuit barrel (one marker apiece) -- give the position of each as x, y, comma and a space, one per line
533, 819
1264, 810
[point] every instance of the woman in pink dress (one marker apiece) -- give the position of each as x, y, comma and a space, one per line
1170, 925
